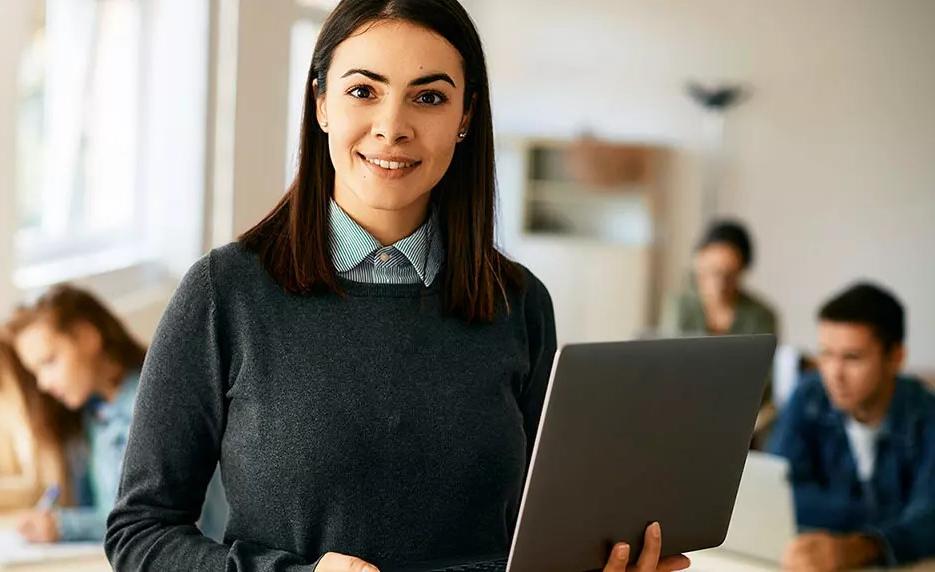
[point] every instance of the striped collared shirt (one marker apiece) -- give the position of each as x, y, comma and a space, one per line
360, 257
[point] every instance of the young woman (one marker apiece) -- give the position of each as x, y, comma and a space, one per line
35, 431
81, 355
366, 365
716, 302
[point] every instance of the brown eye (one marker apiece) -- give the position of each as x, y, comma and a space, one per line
432, 98
360, 92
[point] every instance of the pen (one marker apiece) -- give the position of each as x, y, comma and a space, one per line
48, 498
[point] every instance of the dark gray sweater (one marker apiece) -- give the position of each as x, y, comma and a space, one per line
372, 425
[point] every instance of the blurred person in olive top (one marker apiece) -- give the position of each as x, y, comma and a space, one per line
715, 301
860, 439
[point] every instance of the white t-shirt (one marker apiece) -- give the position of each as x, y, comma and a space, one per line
863, 440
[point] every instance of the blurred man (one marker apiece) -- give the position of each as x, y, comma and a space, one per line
860, 439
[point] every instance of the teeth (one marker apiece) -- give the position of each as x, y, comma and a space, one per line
392, 165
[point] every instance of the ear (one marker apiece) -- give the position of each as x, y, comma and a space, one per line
896, 358
87, 337
466, 118
321, 109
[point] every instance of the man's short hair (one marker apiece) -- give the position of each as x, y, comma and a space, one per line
870, 305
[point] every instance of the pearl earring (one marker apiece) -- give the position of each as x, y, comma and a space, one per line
462, 135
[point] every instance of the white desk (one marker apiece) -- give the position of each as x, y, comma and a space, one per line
84, 563
717, 560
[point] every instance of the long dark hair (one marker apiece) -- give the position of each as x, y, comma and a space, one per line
293, 240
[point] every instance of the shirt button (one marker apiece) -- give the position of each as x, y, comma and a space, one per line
384, 256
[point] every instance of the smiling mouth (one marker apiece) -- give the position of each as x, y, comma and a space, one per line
389, 165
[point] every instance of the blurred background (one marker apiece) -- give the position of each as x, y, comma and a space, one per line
137, 134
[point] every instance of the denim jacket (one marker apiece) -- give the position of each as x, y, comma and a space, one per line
897, 504
107, 427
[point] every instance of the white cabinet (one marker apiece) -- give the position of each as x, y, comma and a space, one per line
585, 228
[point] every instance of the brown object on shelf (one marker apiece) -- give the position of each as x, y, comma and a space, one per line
607, 165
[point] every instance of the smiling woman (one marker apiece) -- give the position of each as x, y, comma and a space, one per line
394, 128
394, 82
364, 363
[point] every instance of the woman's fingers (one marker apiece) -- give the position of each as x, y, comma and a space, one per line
652, 548
673, 563
619, 556
26, 526
335, 562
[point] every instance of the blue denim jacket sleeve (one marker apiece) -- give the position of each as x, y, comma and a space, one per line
108, 425
911, 536
82, 523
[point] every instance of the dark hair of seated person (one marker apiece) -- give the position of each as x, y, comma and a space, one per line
870, 305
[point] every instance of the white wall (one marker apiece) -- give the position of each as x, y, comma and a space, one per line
832, 159
12, 26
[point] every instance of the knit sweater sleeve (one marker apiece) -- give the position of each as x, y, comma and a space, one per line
540, 329
174, 445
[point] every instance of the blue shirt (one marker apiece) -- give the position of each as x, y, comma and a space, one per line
360, 257
107, 425
897, 503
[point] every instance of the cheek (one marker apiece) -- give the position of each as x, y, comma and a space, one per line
61, 376
341, 145
73, 370
866, 378
438, 141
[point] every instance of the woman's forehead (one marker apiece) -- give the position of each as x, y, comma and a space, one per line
398, 50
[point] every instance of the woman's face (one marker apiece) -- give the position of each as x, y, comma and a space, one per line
718, 270
393, 109
62, 363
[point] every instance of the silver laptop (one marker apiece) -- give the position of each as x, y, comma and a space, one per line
763, 524
634, 432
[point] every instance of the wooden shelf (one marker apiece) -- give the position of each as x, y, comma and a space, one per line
561, 199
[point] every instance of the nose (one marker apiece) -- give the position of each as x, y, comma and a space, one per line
834, 370
391, 124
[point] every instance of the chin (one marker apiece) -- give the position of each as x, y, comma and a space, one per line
844, 405
391, 199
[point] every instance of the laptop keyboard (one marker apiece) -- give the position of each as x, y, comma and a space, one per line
488, 566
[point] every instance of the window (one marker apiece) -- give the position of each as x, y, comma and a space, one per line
78, 144
111, 130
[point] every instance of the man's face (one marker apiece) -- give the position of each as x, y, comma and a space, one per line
855, 369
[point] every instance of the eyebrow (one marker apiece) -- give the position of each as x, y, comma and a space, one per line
424, 80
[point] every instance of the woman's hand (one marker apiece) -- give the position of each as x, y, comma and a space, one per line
38, 526
336, 562
649, 559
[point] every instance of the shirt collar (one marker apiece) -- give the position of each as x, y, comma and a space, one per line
351, 244
104, 411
